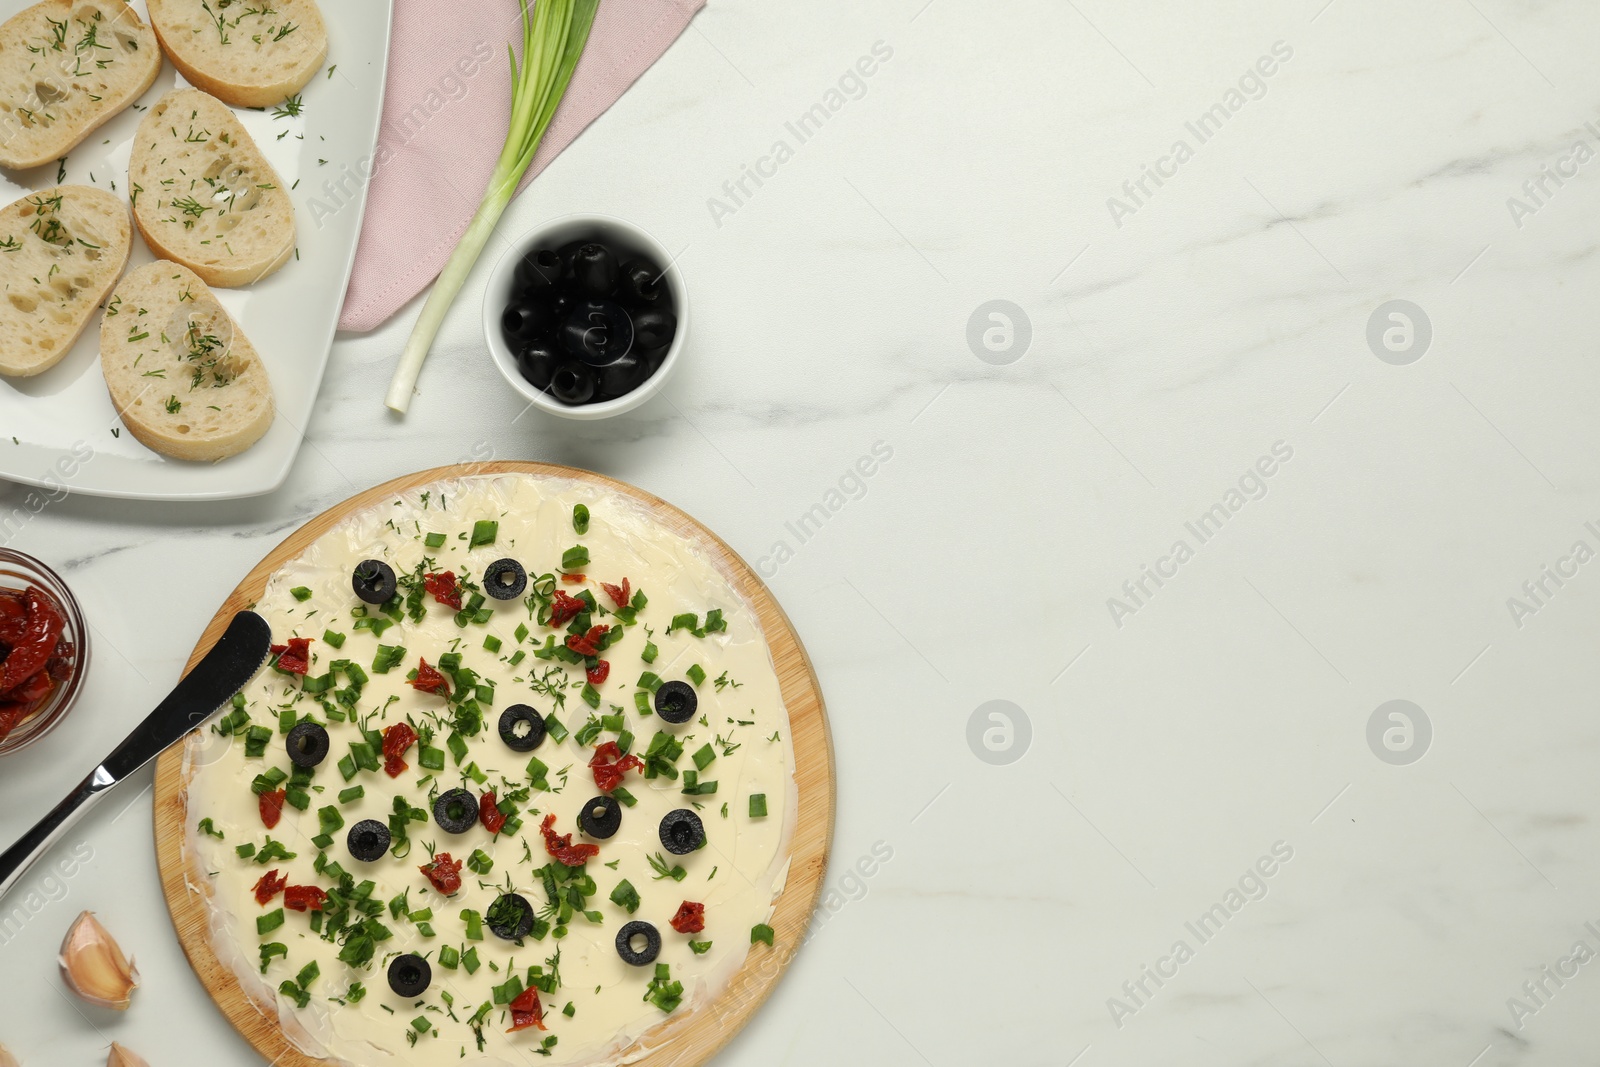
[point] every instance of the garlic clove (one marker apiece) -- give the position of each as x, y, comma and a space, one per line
121, 1057
95, 968
7, 1059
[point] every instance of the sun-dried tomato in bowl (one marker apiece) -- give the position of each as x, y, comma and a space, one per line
42, 649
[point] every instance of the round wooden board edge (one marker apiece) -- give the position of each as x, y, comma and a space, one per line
683, 1040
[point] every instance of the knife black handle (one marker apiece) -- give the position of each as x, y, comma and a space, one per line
231, 663
226, 669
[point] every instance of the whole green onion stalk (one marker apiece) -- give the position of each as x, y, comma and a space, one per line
554, 33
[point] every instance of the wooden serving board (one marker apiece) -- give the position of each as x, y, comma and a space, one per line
685, 1039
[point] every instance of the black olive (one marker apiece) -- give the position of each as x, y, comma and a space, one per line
676, 702
640, 282
654, 327
307, 744
568, 253
504, 579
510, 917
573, 383
517, 739
652, 359
597, 332
600, 817
456, 811
410, 976
622, 377
538, 270
650, 949
373, 581
537, 362
526, 320
594, 269
368, 840
682, 832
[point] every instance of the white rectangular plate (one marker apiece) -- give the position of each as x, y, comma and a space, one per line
325, 153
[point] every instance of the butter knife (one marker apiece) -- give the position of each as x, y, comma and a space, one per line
235, 659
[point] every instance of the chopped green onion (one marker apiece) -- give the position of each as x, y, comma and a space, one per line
484, 532
301, 593
697, 675
434, 540
758, 805
333, 638
574, 557
269, 922
388, 658
761, 932
580, 518
625, 896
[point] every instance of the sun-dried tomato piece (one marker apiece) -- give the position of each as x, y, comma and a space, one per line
396, 740
304, 898
270, 804
598, 673
610, 765
32, 691
444, 587
444, 873
586, 644
491, 817
294, 657
561, 847
574, 579
29, 633
691, 918
270, 885
619, 594
564, 608
429, 680
526, 1011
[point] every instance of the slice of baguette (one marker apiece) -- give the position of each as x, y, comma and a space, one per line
61, 251
248, 54
67, 66
182, 375
204, 195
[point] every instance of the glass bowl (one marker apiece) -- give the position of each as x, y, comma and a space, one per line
19, 571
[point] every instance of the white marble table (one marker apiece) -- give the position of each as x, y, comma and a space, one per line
1167, 737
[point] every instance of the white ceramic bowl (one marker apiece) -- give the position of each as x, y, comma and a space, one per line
627, 241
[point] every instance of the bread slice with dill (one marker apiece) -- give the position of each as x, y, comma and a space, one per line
184, 378
61, 251
248, 54
66, 67
204, 195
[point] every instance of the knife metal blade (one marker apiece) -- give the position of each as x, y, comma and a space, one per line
236, 658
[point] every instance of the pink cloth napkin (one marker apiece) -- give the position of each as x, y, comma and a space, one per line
445, 112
